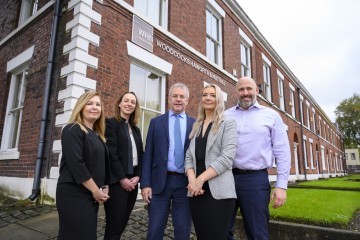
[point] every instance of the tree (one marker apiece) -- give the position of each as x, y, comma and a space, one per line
348, 119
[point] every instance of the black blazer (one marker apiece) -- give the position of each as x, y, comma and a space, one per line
77, 162
117, 142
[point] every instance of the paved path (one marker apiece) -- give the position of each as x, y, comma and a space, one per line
40, 222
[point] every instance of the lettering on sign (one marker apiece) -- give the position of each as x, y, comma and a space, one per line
142, 33
188, 61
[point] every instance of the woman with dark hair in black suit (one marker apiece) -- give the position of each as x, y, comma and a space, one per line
126, 153
84, 170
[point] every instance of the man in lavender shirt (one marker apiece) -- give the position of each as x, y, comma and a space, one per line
262, 138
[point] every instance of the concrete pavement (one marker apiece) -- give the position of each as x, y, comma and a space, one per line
40, 222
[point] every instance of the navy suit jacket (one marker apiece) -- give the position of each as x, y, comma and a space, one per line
155, 159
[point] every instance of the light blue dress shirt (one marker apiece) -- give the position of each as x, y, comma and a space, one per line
261, 137
171, 159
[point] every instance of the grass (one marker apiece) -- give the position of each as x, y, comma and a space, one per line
318, 207
332, 204
351, 182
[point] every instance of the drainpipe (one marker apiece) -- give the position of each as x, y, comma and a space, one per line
49, 73
302, 134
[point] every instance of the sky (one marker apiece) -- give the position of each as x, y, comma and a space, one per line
319, 40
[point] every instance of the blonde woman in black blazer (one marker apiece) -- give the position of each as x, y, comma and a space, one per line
84, 170
126, 153
208, 165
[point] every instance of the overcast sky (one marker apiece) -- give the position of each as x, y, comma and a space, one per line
319, 40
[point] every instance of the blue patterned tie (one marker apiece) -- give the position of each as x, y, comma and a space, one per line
179, 152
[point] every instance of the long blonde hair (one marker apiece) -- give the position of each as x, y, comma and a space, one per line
77, 117
217, 115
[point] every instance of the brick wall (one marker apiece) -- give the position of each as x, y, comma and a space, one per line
37, 34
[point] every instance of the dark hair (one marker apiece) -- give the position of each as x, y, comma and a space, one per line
134, 117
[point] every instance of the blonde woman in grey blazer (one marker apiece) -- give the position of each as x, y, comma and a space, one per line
208, 165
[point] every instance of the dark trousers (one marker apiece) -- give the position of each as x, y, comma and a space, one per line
211, 217
77, 212
118, 209
174, 195
253, 196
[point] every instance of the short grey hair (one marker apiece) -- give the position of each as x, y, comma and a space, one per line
179, 85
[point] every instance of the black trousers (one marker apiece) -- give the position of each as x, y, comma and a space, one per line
77, 212
211, 217
118, 209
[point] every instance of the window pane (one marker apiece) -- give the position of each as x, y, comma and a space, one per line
214, 28
208, 48
141, 6
147, 116
153, 99
17, 91
15, 124
208, 22
153, 11
137, 82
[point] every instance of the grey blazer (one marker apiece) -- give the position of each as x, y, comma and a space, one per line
220, 154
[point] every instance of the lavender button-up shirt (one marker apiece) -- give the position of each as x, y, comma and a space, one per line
262, 138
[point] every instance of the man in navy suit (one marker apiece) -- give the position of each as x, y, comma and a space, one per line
163, 183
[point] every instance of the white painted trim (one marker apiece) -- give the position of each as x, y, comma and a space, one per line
265, 59
177, 40
20, 60
81, 81
148, 58
313, 110
88, 12
245, 38
6, 155
280, 74
84, 58
292, 87
301, 98
307, 103
216, 7
310, 140
73, 67
79, 19
76, 42
86, 34
304, 137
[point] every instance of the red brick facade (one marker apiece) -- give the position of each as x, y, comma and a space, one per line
186, 22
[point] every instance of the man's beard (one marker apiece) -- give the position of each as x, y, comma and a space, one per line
246, 105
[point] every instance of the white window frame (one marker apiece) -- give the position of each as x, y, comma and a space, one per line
218, 13
301, 109
292, 100
28, 8
313, 119
152, 63
323, 160
164, 9
245, 50
16, 90
281, 90
311, 153
267, 77
320, 131
308, 114
305, 153
15, 66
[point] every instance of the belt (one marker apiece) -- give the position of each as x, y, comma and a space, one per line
174, 173
244, 171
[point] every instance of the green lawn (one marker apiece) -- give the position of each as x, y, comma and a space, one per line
348, 182
321, 207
